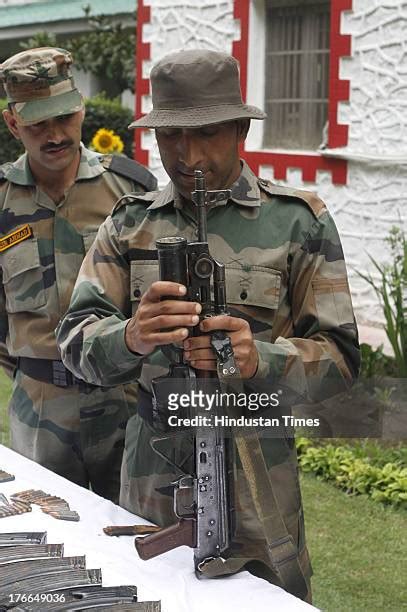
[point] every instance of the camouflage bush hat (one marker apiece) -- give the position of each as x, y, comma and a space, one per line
39, 83
194, 88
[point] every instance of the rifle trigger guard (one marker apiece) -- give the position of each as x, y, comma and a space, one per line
226, 364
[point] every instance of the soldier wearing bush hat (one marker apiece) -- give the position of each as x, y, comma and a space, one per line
52, 201
290, 318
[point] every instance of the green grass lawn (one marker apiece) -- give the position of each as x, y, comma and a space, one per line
357, 546
358, 550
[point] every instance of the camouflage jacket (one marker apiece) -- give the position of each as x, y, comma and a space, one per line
285, 274
42, 246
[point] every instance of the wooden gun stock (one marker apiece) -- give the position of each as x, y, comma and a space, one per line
182, 533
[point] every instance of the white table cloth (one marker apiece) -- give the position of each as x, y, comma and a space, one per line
169, 578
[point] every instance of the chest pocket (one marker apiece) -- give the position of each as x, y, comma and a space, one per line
23, 278
142, 273
254, 295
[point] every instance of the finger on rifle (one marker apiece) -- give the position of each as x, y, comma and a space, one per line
170, 307
200, 355
209, 366
170, 337
160, 289
223, 322
170, 321
197, 342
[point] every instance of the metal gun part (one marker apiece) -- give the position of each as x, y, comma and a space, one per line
51, 583
213, 527
86, 598
23, 537
30, 551
6, 477
22, 570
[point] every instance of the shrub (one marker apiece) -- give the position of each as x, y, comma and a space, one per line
348, 469
100, 112
391, 289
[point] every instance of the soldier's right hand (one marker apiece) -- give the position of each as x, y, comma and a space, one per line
159, 319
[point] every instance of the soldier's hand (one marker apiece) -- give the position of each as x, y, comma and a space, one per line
159, 319
200, 354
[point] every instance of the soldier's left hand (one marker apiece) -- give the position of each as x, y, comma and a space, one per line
200, 354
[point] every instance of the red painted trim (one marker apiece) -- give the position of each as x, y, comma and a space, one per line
338, 91
142, 85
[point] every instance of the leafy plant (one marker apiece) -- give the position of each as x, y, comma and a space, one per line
374, 363
40, 39
108, 50
353, 470
391, 289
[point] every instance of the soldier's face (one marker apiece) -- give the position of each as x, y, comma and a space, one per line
214, 149
52, 145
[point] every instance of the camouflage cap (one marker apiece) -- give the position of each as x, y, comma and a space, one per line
195, 88
39, 83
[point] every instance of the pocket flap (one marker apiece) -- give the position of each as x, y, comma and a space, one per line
258, 287
20, 258
142, 274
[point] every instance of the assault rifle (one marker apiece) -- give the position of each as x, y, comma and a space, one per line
202, 498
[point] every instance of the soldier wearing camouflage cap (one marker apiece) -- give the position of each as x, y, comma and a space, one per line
291, 317
52, 201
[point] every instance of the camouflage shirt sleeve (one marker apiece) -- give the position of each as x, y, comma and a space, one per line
322, 348
7, 362
91, 335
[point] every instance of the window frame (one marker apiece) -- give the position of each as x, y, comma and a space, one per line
251, 14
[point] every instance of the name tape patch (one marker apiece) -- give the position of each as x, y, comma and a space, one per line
20, 234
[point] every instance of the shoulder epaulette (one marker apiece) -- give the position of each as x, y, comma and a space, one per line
309, 197
128, 198
130, 169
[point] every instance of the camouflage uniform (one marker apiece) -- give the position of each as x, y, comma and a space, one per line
285, 274
76, 430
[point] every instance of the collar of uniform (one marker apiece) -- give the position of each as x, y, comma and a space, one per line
19, 172
89, 165
245, 191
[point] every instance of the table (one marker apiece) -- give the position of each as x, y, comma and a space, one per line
170, 577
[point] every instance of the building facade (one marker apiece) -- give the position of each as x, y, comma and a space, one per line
332, 76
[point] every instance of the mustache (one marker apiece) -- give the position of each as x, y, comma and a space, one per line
54, 146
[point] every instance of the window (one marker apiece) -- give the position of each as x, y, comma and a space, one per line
296, 72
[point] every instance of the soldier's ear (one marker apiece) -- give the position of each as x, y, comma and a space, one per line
11, 123
242, 128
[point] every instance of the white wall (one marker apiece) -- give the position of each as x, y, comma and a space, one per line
374, 198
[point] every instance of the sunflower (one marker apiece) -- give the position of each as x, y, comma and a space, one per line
106, 141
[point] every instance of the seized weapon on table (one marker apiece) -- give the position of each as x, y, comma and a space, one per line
120, 598
30, 551
55, 506
6, 477
45, 580
14, 572
51, 582
23, 537
202, 500
120, 530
